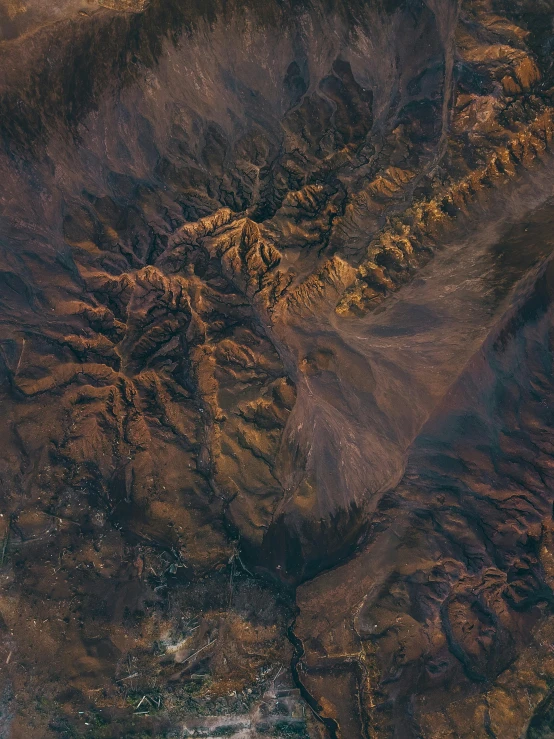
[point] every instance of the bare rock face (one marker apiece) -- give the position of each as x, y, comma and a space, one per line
275, 368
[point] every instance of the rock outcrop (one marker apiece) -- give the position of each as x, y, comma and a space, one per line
275, 368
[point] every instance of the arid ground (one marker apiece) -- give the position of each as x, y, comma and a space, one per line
276, 369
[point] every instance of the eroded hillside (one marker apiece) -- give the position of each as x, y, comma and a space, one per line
275, 364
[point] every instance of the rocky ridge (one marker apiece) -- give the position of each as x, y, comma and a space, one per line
206, 381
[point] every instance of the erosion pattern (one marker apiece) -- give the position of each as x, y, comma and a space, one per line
276, 368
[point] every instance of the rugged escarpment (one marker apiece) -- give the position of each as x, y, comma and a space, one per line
439, 626
260, 313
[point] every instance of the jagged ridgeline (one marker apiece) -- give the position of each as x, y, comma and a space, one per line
243, 183
204, 175
223, 200
246, 251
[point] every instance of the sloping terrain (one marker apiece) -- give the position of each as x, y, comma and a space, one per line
275, 368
